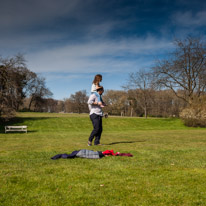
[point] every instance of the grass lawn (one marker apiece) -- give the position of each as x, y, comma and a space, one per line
168, 166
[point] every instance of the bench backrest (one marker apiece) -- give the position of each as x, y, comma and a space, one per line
24, 127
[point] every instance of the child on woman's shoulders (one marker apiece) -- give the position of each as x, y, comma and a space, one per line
95, 86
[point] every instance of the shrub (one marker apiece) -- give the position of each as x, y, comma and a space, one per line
195, 114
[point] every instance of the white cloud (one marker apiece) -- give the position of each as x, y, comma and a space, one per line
106, 56
61, 76
188, 19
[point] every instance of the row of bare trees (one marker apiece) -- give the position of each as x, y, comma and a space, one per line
161, 103
76, 103
163, 90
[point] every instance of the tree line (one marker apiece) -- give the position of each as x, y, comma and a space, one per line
170, 88
119, 102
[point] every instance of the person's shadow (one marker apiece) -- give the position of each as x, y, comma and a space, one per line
125, 142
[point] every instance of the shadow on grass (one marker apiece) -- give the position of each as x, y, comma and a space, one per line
20, 121
125, 142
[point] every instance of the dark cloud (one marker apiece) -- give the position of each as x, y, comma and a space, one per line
28, 25
128, 17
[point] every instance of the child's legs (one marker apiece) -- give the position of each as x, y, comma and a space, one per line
99, 99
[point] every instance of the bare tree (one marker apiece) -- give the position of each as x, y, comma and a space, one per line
38, 91
117, 102
14, 77
184, 72
166, 104
141, 89
77, 102
60, 106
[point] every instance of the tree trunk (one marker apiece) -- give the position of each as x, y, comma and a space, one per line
145, 112
131, 114
32, 99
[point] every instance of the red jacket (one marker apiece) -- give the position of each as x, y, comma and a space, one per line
111, 152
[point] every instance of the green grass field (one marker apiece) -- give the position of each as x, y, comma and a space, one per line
168, 166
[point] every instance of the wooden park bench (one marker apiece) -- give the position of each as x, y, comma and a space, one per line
16, 128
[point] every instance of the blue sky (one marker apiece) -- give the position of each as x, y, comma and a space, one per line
69, 41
